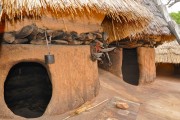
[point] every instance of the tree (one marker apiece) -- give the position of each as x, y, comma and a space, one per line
175, 16
172, 2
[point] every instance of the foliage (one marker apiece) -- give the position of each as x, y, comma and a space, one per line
175, 16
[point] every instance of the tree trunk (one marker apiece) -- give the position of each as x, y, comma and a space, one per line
172, 25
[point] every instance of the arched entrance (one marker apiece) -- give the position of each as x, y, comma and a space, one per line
130, 66
28, 89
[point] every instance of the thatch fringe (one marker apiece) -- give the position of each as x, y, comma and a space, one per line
168, 53
123, 29
129, 25
125, 8
128, 16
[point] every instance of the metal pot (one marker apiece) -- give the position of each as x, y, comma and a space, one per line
49, 59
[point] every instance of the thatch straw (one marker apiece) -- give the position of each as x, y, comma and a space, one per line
168, 53
132, 21
158, 28
128, 16
13, 8
123, 29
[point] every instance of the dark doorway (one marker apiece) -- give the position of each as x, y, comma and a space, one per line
27, 89
130, 66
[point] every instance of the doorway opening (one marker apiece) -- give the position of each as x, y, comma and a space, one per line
130, 66
28, 89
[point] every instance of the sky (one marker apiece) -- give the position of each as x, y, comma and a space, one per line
174, 8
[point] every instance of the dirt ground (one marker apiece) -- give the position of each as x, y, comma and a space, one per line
157, 101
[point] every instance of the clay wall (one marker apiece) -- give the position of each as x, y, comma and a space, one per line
74, 76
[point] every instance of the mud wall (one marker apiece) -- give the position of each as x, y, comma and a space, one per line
74, 76
138, 67
116, 59
147, 68
167, 69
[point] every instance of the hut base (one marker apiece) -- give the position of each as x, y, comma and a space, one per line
74, 76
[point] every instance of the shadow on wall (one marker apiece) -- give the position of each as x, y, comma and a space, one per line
168, 69
130, 66
28, 89
2, 27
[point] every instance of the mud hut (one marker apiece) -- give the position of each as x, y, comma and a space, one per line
134, 60
70, 80
167, 57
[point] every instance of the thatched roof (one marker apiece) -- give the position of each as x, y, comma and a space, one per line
158, 28
168, 53
125, 8
128, 15
129, 24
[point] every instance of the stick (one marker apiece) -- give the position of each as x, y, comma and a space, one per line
67, 117
97, 104
86, 109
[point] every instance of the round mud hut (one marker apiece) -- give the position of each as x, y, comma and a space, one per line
167, 58
45, 52
134, 58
